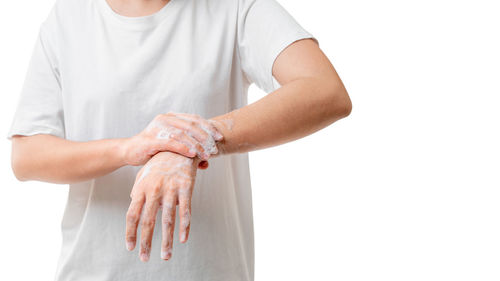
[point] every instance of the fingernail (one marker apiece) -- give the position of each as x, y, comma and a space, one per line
130, 245
166, 254
144, 257
183, 237
218, 136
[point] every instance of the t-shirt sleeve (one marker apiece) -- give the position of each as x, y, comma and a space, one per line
39, 109
265, 29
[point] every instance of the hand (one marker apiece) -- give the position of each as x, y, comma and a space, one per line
186, 134
165, 181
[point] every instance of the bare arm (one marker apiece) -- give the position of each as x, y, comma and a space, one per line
312, 97
53, 159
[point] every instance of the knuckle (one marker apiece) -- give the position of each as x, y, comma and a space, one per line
200, 148
181, 135
176, 135
148, 223
130, 237
146, 245
167, 221
186, 182
133, 193
186, 213
132, 218
170, 188
155, 194
156, 188
177, 183
184, 185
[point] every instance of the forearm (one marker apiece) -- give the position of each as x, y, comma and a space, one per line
52, 159
295, 110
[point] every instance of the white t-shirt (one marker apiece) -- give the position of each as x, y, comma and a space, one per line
95, 74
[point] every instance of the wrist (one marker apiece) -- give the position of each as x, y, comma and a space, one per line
120, 149
220, 144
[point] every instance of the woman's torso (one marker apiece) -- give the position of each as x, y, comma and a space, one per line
116, 74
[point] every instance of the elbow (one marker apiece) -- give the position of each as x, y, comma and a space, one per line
18, 172
18, 162
340, 103
18, 168
345, 105
335, 100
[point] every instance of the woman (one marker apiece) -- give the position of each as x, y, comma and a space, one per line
114, 85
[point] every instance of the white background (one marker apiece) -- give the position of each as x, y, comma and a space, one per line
406, 188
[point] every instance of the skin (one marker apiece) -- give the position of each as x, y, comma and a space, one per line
185, 131
136, 8
312, 97
165, 181
51, 164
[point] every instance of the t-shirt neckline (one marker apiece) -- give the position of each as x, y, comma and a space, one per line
136, 22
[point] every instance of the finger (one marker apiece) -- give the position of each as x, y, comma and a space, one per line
174, 145
204, 124
190, 126
148, 221
132, 220
220, 136
184, 195
175, 136
168, 224
193, 144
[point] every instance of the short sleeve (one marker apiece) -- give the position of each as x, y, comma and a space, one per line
39, 109
265, 29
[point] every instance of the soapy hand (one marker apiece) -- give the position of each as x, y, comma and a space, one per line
165, 181
187, 134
